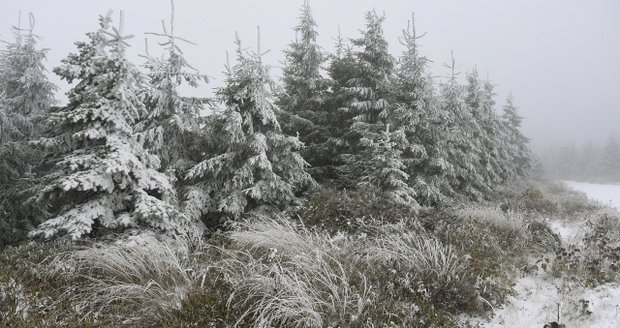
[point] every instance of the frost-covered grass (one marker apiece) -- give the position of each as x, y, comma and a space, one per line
404, 270
421, 253
580, 276
145, 277
286, 275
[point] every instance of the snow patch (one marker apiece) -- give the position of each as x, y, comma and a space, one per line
536, 303
570, 232
537, 296
604, 193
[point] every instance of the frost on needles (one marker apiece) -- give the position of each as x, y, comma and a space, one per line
170, 127
100, 175
254, 163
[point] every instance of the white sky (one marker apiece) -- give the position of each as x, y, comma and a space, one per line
559, 57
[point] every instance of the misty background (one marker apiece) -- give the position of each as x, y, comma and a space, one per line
559, 58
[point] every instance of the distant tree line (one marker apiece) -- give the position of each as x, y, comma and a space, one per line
128, 150
590, 162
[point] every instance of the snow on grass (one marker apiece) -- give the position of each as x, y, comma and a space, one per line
536, 303
606, 194
538, 295
570, 232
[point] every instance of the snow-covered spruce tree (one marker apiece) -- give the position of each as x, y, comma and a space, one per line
303, 98
170, 127
416, 116
358, 90
339, 116
521, 158
25, 91
496, 152
384, 170
375, 154
256, 164
481, 126
101, 176
462, 147
26, 95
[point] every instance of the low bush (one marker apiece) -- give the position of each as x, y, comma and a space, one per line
347, 211
495, 245
593, 261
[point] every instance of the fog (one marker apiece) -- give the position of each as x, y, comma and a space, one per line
558, 57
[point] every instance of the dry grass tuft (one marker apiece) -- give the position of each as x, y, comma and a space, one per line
287, 275
418, 252
145, 278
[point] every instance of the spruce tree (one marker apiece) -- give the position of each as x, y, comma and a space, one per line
99, 175
25, 91
384, 170
26, 95
416, 116
475, 100
495, 153
375, 153
303, 98
255, 164
370, 85
462, 147
520, 155
368, 92
170, 127
339, 116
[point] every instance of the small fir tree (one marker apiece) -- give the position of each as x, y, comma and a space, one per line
100, 175
25, 91
173, 120
415, 115
520, 154
384, 170
303, 99
339, 116
462, 147
474, 101
369, 92
255, 164
26, 95
494, 149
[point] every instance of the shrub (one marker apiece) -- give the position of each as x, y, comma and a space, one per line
335, 211
495, 248
510, 226
542, 238
534, 199
595, 261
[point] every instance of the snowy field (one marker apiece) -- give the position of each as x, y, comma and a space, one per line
606, 194
538, 296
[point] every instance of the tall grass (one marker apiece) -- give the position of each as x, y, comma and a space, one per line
144, 279
288, 276
512, 223
418, 252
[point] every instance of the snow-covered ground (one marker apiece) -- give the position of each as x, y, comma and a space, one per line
538, 296
604, 193
537, 299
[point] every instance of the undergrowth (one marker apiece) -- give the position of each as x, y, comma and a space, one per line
341, 260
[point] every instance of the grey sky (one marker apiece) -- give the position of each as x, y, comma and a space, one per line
559, 57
